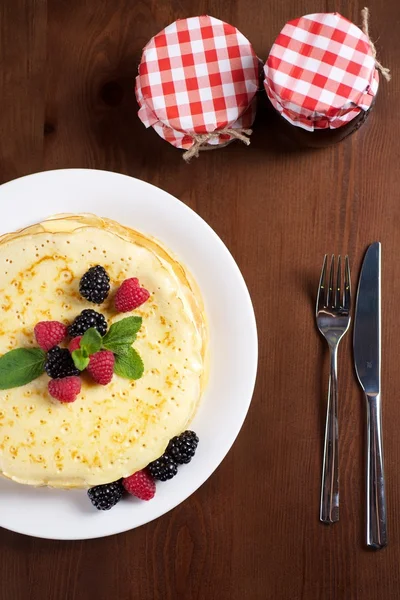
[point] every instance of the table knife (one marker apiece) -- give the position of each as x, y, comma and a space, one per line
367, 359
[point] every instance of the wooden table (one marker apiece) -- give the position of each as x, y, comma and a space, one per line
251, 532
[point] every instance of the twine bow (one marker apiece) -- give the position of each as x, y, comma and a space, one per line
200, 140
365, 22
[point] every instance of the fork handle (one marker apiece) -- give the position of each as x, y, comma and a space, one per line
376, 497
329, 506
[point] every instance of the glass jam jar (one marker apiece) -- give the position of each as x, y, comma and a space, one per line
321, 78
197, 85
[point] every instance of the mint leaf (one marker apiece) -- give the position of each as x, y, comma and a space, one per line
91, 341
80, 358
128, 364
20, 366
122, 333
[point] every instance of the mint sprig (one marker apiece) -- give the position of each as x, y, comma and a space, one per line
20, 366
122, 334
128, 364
90, 343
119, 340
80, 358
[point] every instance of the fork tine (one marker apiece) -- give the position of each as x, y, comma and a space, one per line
347, 285
321, 287
338, 282
330, 299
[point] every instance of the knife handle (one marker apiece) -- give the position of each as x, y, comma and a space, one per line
376, 496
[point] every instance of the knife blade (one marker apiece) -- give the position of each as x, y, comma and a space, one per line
367, 360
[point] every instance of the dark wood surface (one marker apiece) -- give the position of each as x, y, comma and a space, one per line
67, 71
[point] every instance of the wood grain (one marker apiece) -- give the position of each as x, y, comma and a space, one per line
251, 532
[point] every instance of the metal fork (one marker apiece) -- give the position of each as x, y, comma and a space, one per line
333, 320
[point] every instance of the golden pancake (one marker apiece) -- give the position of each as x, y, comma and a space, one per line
110, 431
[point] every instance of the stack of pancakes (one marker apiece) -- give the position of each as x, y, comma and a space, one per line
109, 431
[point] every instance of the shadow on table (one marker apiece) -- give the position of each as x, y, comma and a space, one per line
124, 139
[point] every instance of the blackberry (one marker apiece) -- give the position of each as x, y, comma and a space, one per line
182, 447
104, 497
163, 468
87, 319
95, 285
59, 363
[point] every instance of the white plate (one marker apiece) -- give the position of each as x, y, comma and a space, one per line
57, 514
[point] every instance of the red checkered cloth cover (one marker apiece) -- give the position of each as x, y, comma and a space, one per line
197, 76
321, 72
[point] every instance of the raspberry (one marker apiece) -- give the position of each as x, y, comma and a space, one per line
182, 447
75, 344
101, 366
66, 389
140, 484
87, 319
104, 497
130, 295
59, 363
49, 333
95, 285
163, 468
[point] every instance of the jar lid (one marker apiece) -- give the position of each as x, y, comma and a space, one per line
197, 76
321, 72
181, 139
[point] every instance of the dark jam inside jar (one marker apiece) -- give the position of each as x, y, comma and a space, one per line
319, 138
319, 66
